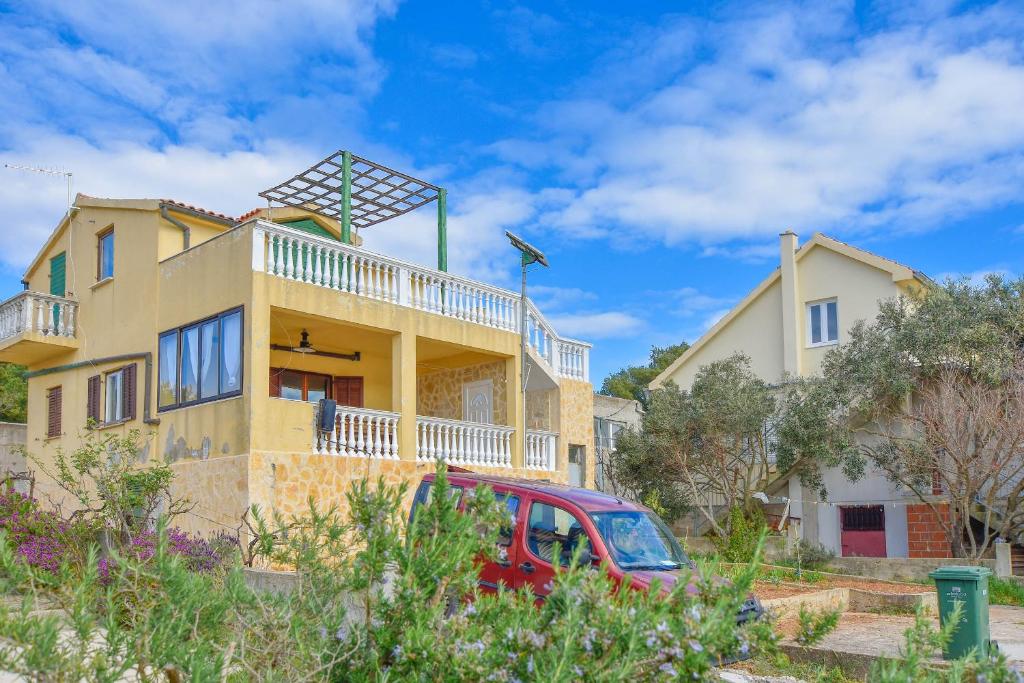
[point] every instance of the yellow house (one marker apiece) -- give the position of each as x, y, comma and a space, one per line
218, 338
786, 325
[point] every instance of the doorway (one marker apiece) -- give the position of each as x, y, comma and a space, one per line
577, 465
862, 531
478, 401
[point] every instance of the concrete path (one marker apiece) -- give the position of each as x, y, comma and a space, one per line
882, 634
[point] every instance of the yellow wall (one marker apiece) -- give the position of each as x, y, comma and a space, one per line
757, 330
227, 453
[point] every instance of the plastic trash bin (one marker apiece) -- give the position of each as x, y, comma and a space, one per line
969, 587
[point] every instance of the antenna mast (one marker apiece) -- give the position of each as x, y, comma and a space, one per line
47, 171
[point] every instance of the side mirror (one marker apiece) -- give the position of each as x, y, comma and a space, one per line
588, 558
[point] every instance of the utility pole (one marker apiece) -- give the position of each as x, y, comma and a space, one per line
529, 255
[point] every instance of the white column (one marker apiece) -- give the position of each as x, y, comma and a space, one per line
259, 249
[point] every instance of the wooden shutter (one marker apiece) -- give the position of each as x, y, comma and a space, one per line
275, 381
53, 407
128, 391
348, 391
92, 401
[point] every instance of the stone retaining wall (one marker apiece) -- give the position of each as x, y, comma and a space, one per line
899, 569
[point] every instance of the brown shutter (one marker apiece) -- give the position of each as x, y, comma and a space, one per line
128, 391
92, 402
53, 407
275, 381
348, 391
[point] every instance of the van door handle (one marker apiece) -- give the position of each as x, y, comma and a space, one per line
527, 567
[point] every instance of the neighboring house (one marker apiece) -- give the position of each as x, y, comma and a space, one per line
611, 415
218, 337
786, 325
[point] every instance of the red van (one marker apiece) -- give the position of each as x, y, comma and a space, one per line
637, 545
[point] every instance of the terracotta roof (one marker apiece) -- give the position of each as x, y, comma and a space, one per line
199, 209
248, 214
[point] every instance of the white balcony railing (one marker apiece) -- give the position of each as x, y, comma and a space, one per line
45, 314
541, 448
299, 256
463, 443
360, 432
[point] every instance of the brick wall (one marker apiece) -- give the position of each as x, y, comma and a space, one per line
925, 537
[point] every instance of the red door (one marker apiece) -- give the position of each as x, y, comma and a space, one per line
549, 528
501, 572
863, 531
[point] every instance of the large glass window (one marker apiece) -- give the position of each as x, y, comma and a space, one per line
552, 527
209, 375
512, 505
201, 361
167, 391
189, 365
105, 255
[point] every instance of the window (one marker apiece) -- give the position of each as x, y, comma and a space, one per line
105, 254
53, 410
201, 361
113, 408
863, 518
551, 526
639, 540
300, 385
424, 494
822, 323
118, 396
512, 505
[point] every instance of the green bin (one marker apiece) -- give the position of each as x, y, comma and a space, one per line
968, 586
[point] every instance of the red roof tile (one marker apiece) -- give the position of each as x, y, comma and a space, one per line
198, 209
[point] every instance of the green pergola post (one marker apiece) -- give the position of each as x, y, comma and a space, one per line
346, 197
442, 230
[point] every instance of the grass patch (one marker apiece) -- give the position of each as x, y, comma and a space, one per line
781, 665
1005, 592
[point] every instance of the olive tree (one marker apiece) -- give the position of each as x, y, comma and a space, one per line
929, 393
708, 447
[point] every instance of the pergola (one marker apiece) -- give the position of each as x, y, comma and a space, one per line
359, 192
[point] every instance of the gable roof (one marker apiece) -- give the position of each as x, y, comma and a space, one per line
898, 271
84, 200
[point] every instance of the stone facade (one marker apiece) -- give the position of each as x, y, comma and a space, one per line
439, 393
925, 536
541, 410
576, 423
218, 489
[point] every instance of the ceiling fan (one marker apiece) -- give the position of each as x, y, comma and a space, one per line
306, 347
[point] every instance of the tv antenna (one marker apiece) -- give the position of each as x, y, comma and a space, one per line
46, 171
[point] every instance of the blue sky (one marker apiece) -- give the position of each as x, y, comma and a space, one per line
653, 150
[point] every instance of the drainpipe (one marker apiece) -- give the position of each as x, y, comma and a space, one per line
147, 393
186, 232
790, 304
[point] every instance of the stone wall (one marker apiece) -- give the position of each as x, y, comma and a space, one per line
218, 491
899, 569
285, 481
439, 393
541, 410
12, 447
925, 535
576, 423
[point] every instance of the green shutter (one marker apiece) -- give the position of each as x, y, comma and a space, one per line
310, 226
58, 276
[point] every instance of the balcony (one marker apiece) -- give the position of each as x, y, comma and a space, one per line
35, 327
293, 255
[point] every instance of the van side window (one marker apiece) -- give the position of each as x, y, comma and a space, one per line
550, 525
512, 505
424, 493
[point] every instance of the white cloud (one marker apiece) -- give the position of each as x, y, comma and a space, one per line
791, 124
605, 325
550, 298
713, 319
747, 253
977, 277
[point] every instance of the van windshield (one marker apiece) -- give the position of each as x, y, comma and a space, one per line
639, 540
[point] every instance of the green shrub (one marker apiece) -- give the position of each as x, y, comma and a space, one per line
746, 530
809, 555
813, 626
1006, 592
